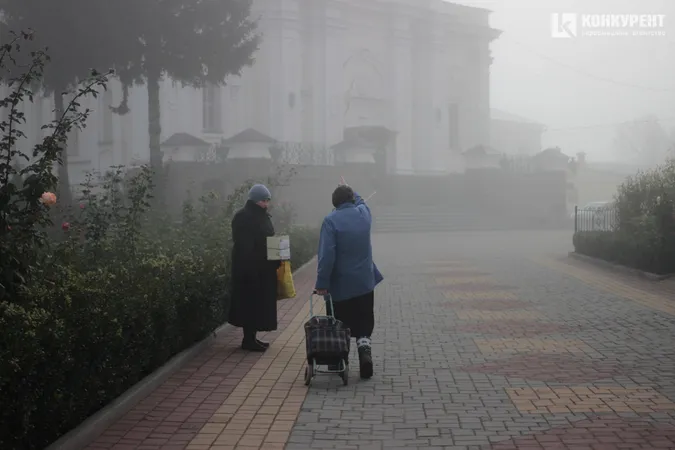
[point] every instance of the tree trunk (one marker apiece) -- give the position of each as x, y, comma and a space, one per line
154, 132
65, 195
154, 122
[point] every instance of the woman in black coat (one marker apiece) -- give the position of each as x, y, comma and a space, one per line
254, 277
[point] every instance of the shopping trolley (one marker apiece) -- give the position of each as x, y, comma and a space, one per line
328, 342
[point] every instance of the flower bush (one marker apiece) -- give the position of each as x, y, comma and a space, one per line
95, 297
48, 199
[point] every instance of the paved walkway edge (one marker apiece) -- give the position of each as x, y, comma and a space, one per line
619, 268
92, 427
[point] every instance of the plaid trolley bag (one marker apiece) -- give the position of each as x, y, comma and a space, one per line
328, 343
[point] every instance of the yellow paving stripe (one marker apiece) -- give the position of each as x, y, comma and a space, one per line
478, 295
481, 316
451, 271
462, 279
262, 409
612, 285
521, 345
445, 263
551, 400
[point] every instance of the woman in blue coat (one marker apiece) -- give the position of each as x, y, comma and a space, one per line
346, 270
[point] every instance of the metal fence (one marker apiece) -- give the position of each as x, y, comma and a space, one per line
517, 164
296, 153
595, 218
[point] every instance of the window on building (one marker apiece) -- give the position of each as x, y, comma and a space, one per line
106, 130
73, 143
39, 116
235, 110
307, 115
212, 109
453, 127
234, 92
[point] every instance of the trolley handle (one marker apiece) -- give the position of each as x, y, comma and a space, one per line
311, 305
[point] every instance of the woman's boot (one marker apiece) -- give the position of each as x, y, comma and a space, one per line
365, 357
251, 343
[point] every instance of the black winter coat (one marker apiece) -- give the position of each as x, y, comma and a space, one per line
254, 278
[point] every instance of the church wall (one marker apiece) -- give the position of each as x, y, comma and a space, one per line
403, 104
407, 64
440, 99
333, 58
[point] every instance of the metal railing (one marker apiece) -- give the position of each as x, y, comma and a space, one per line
595, 218
296, 153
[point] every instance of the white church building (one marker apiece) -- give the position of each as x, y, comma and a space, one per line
419, 68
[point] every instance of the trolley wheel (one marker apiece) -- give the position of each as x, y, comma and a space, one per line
309, 374
345, 373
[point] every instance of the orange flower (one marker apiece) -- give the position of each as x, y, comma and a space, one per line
48, 198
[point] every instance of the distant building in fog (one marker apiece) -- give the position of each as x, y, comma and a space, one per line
419, 68
515, 135
598, 181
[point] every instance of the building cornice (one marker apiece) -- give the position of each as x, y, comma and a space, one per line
418, 16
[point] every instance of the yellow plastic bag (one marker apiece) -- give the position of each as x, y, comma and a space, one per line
285, 286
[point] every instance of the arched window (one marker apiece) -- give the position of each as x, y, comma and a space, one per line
212, 108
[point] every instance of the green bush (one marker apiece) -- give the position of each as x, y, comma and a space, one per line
91, 305
304, 243
644, 233
645, 251
648, 193
115, 298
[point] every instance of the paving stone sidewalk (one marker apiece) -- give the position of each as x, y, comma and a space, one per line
481, 343
225, 396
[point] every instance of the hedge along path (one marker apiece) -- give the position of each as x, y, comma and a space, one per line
226, 398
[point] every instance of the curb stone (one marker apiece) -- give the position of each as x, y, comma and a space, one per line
81, 436
619, 268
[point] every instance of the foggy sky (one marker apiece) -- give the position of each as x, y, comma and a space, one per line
527, 84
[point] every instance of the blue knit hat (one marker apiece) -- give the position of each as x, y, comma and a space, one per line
259, 193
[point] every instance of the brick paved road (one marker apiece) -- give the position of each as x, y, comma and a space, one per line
483, 341
480, 344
